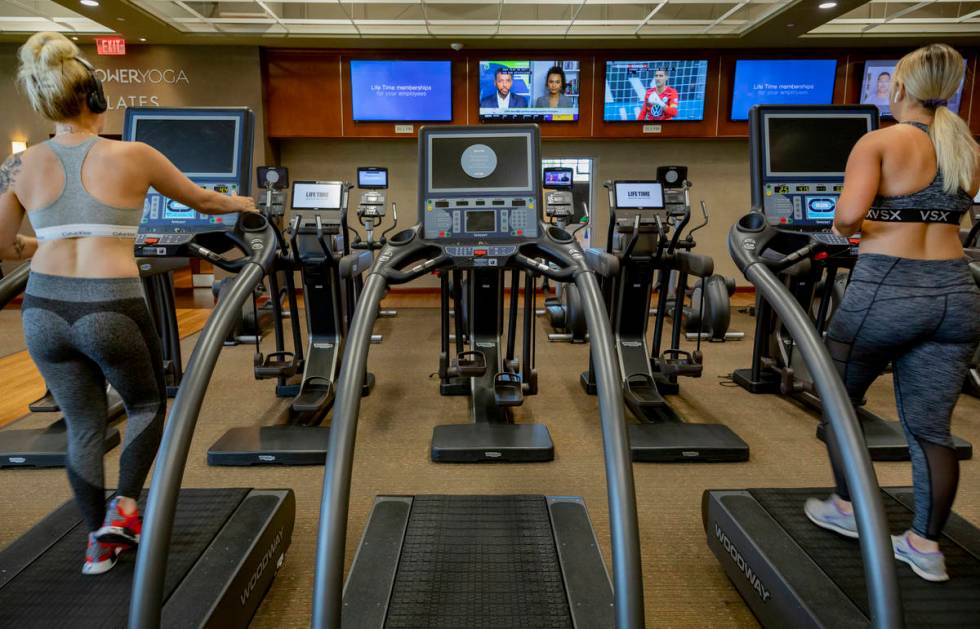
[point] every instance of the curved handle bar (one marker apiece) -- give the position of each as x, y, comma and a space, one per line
588, 219
797, 256
396, 276
628, 250
565, 274
320, 239
394, 224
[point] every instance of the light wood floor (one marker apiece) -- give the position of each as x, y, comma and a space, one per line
22, 384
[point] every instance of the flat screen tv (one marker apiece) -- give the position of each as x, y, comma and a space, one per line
655, 90
401, 91
876, 85
529, 91
781, 82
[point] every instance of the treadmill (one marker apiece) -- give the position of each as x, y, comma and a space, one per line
468, 561
797, 188
790, 572
641, 215
216, 551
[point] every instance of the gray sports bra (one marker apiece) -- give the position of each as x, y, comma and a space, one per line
76, 213
932, 204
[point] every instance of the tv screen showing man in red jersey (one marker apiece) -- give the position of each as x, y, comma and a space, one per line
660, 101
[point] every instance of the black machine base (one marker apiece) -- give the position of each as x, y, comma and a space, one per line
886, 440
492, 443
793, 574
683, 442
42, 447
271, 445
768, 382
455, 387
588, 384
226, 549
457, 561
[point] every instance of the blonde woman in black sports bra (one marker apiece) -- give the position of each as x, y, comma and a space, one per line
85, 319
911, 300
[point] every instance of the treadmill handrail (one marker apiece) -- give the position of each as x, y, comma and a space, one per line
151, 560
884, 599
14, 283
335, 499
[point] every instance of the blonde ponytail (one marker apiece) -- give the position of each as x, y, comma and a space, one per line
56, 85
932, 75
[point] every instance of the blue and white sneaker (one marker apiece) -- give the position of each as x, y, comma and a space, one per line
929, 566
827, 515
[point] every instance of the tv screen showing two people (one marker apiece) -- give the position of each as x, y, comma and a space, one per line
539, 91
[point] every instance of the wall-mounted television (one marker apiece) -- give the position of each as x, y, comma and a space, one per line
781, 82
655, 90
529, 91
401, 91
876, 86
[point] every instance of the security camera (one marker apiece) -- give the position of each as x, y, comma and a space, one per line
456, 46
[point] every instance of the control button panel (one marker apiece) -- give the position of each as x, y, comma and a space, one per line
801, 203
160, 244
482, 218
494, 255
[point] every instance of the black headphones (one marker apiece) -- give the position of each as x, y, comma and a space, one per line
97, 102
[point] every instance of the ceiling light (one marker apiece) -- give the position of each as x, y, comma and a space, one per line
822, 5
142, 39
90, 3
17, 146
74, 37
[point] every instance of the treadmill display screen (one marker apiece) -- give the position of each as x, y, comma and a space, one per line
480, 164
639, 195
811, 145
481, 221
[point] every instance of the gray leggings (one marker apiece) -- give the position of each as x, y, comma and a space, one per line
923, 316
81, 333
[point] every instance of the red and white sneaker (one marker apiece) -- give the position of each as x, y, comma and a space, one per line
120, 528
99, 557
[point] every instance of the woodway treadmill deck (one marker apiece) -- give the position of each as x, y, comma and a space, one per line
225, 551
456, 561
794, 574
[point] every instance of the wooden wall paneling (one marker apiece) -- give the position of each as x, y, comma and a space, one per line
669, 128
581, 128
740, 128
303, 96
352, 129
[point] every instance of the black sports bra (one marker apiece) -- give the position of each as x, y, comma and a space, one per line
932, 204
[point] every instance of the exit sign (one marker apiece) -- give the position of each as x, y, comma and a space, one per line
110, 45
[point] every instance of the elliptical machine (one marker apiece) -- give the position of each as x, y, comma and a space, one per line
641, 217
709, 314
318, 248
373, 180
564, 309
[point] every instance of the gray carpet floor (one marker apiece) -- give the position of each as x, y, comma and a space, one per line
684, 585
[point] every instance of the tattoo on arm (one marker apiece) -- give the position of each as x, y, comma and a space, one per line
8, 172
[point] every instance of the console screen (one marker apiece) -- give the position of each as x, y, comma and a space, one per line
479, 164
198, 147
316, 195
372, 178
816, 145
639, 195
481, 221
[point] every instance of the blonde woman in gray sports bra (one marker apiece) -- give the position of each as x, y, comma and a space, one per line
85, 319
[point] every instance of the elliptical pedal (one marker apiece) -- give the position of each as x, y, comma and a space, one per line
508, 389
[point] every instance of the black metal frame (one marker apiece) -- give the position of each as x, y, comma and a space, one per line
408, 256
749, 242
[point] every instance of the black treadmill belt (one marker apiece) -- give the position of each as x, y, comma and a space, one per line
478, 561
53, 592
955, 603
